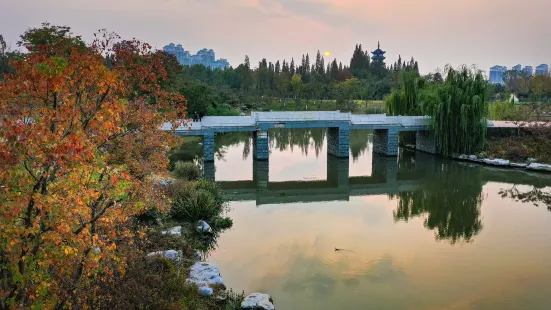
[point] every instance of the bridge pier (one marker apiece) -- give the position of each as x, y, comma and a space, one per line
261, 174
208, 146
385, 141
261, 147
338, 141
338, 171
425, 141
384, 168
209, 171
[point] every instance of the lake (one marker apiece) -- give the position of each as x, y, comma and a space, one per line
413, 232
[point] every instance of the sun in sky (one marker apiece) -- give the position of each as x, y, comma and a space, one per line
328, 53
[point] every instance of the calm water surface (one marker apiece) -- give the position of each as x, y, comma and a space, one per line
417, 232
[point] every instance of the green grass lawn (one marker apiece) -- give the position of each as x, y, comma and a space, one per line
361, 106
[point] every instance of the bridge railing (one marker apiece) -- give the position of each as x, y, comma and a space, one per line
368, 119
300, 116
188, 125
408, 121
228, 121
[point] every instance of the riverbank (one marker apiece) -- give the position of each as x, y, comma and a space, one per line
530, 164
168, 267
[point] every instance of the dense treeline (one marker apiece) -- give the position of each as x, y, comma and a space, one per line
221, 92
535, 88
309, 80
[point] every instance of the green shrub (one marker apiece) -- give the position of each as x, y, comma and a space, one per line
198, 205
504, 111
212, 188
222, 223
197, 200
187, 171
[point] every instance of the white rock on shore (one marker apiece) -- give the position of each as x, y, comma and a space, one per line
496, 162
204, 275
539, 167
203, 227
176, 231
172, 255
258, 301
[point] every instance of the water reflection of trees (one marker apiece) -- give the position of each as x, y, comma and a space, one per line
536, 195
282, 139
451, 203
302, 138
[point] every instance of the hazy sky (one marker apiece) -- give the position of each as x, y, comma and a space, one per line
435, 32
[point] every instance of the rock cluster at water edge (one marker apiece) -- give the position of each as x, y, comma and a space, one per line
258, 301
205, 275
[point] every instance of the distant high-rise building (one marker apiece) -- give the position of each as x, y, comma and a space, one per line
517, 68
528, 70
203, 57
496, 74
378, 54
542, 69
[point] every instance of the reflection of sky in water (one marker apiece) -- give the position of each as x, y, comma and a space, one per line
288, 250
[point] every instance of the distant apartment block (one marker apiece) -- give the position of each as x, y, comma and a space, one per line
542, 69
203, 57
528, 70
517, 68
496, 74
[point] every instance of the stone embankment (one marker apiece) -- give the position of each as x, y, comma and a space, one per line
530, 164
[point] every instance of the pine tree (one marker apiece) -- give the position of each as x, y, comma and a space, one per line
334, 70
285, 68
322, 67
247, 62
292, 67
277, 68
303, 66
398, 66
318, 63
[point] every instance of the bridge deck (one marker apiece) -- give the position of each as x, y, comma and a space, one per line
306, 120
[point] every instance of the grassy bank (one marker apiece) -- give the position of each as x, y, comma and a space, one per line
161, 282
290, 104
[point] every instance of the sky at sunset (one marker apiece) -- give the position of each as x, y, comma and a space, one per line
435, 32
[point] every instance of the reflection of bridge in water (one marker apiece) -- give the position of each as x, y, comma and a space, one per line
390, 175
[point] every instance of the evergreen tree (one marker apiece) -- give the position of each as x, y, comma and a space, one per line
318, 63
307, 64
292, 67
285, 68
334, 70
303, 66
398, 66
277, 68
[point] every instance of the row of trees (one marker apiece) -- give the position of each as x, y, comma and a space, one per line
309, 79
525, 87
80, 142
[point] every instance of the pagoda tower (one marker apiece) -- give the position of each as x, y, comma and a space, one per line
378, 54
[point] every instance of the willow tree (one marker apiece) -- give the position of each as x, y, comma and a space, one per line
406, 101
459, 118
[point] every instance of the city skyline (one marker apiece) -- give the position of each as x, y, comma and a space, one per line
282, 29
206, 57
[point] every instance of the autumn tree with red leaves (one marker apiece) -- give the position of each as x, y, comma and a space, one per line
80, 143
